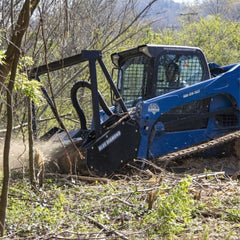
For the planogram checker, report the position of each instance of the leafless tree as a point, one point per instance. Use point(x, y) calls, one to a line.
point(70, 26)
point(10, 67)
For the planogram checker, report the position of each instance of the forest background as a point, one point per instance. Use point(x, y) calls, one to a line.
point(52, 30)
point(60, 29)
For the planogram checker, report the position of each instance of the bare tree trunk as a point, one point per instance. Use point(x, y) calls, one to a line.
point(30, 142)
point(74, 166)
point(11, 61)
point(16, 39)
point(6, 171)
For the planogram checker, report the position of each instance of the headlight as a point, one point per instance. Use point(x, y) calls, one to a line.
point(144, 49)
point(115, 58)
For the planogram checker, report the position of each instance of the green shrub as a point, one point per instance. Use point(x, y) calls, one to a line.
point(173, 212)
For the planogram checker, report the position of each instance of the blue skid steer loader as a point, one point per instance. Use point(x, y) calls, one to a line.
point(167, 100)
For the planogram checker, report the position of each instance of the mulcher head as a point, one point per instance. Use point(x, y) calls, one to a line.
point(116, 146)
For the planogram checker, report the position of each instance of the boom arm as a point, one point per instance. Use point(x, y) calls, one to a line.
point(63, 63)
point(86, 55)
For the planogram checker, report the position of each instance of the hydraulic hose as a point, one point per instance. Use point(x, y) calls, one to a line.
point(76, 105)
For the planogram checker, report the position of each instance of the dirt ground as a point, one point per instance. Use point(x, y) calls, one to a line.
point(230, 165)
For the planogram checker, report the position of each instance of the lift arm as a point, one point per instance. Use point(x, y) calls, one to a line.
point(86, 55)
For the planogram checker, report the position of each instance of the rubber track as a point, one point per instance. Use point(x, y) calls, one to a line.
point(198, 148)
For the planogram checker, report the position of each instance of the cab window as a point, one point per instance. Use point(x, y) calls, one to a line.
point(133, 79)
point(177, 71)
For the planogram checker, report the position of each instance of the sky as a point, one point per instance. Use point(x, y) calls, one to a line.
point(184, 1)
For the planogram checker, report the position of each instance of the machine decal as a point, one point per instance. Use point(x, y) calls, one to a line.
point(109, 141)
point(153, 108)
point(191, 93)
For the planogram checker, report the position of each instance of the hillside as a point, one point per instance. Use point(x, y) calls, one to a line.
point(166, 11)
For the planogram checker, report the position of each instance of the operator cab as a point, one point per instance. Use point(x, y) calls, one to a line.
point(152, 70)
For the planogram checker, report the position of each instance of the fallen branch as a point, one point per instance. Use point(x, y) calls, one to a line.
point(81, 178)
point(105, 228)
point(205, 175)
point(124, 202)
point(89, 179)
